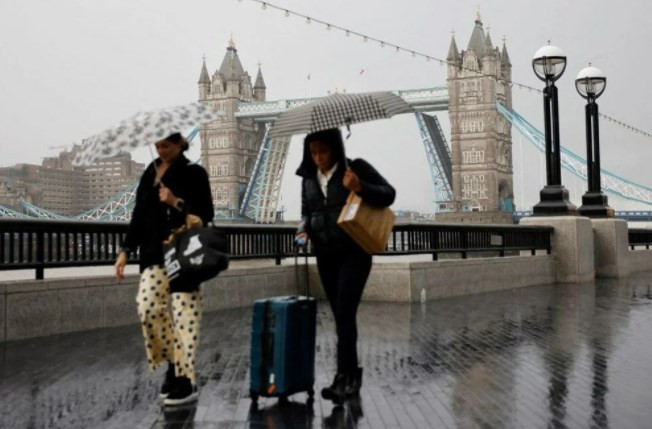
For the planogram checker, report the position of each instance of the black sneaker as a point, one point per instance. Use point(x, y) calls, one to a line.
point(168, 382)
point(184, 392)
point(336, 391)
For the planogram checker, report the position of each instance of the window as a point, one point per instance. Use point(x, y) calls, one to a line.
point(221, 195)
point(223, 169)
point(474, 186)
point(215, 142)
point(473, 156)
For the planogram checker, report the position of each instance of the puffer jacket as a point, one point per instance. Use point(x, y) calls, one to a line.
point(319, 214)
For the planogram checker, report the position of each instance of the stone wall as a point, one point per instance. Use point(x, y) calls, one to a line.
point(485, 217)
point(406, 282)
point(32, 308)
point(639, 261)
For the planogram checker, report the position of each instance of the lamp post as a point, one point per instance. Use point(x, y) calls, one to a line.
point(549, 64)
point(590, 84)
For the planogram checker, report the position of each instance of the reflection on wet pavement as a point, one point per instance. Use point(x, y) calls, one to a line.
point(561, 356)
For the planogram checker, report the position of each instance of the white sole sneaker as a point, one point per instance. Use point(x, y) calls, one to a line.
point(181, 401)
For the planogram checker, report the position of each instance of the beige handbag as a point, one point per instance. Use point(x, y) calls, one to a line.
point(367, 225)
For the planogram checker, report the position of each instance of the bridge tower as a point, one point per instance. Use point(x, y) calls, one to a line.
point(481, 139)
point(229, 144)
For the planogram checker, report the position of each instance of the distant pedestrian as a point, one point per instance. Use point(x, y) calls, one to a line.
point(343, 265)
point(169, 189)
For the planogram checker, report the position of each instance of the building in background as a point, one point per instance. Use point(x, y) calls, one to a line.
point(230, 145)
point(57, 186)
point(481, 138)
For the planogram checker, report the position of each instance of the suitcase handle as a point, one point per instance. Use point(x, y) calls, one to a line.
point(296, 268)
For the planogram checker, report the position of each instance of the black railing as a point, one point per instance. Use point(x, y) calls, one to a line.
point(460, 238)
point(640, 238)
point(40, 244)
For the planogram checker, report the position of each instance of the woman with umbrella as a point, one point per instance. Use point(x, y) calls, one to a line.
point(343, 265)
point(170, 188)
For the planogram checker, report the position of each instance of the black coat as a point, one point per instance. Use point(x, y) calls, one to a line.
point(152, 220)
point(319, 214)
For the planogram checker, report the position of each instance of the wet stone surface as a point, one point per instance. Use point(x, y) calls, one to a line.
point(562, 356)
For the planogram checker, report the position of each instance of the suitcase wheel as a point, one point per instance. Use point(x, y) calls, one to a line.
point(254, 396)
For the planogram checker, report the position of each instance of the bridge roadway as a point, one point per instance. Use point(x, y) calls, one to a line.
point(553, 356)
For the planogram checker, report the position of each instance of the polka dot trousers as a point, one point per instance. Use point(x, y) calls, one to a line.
point(171, 334)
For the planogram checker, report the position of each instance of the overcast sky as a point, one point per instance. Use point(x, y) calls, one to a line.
point(69, 69)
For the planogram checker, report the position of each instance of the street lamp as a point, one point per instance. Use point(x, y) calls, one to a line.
point(549, 64)
point(590, 84)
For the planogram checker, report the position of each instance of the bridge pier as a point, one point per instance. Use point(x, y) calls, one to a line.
point(572, 246)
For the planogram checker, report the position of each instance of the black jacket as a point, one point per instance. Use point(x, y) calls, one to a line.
point(152, 220)
point(319, 214)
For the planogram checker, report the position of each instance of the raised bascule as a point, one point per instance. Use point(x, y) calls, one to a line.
point(472, 177)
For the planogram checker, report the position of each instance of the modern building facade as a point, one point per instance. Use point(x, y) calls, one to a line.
point(57, 186)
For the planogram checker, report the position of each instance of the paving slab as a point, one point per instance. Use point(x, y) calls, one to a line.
point(548, 356)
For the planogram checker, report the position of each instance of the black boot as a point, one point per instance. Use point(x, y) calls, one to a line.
point(353, 382)
point(336, 391)
point(168, 381)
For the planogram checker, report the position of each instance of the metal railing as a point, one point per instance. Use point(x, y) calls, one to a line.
point(439, 238)
point(640, 238)
point(41, 244)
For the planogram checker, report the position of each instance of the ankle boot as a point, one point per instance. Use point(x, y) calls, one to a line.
point(353, 382)
point(336, 391)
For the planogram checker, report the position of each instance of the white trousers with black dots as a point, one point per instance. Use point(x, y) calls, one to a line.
point(174, 336)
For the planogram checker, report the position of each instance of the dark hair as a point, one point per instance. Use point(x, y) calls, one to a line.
point(331, 137)
point(177, 138)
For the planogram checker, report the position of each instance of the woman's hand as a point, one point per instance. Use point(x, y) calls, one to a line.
point(120, 265)
point(301, 239)
point(166, 196)
point(351, 181)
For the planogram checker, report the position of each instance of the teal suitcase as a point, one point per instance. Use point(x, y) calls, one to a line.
point(282, 360)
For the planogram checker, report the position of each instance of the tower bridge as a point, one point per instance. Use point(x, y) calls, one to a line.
point(472, 175)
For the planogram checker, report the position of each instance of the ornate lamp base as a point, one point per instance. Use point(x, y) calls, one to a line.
point(594, 204)
point(554, 202)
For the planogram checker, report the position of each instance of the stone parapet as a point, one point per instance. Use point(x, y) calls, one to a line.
point(639, 261)
point(414, 281)
point(32, 308)
point(486, 217)
point(611, 251)
point(572, 246)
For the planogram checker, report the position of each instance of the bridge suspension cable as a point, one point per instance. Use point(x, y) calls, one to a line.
point(575, 164)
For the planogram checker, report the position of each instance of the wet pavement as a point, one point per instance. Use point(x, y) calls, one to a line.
point(560, 356)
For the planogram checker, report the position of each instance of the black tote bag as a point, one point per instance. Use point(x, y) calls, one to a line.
point(194, 256)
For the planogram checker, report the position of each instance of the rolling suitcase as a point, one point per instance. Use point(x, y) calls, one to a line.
point(283, 344)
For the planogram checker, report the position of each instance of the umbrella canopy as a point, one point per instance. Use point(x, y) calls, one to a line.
point(338, 110)
point(144, 128)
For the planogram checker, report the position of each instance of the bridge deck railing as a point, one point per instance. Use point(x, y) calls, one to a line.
point(41, 244)
point(639, 237)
